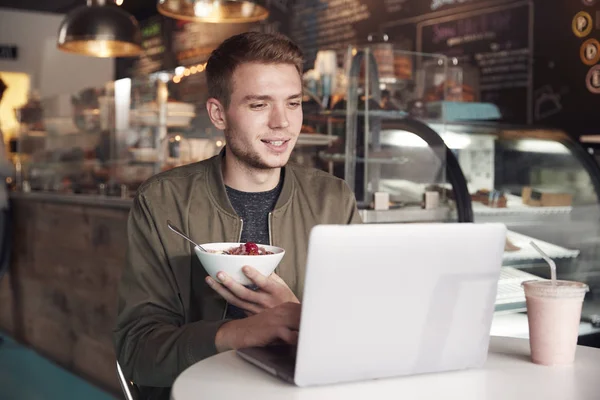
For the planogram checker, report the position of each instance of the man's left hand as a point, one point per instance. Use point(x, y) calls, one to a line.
point(271, 291)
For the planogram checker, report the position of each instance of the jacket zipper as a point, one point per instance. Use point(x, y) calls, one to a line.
point(241, 229)
point(270, 220)
point(270, 229)
point(239, 239)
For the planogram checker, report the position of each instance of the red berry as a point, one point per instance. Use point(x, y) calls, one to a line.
point(251, 248)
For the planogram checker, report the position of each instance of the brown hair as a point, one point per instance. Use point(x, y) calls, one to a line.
point(244, 48)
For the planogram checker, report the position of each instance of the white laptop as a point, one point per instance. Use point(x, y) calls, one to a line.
point(385, 300)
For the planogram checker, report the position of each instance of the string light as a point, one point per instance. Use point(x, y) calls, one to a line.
point(181, 71)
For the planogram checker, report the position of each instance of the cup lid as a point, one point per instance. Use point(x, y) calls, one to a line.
point(561, 289)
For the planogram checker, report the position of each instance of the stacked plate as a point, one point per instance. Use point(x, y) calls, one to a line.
point(178, 114)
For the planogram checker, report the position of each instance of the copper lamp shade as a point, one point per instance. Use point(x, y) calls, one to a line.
point(213, 11)
point(100, 31)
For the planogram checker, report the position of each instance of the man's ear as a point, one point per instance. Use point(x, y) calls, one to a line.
point(216, 113)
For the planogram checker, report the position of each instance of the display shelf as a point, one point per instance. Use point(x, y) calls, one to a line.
point(515, 206)
point(386, 114)
point(405, 214)
point(315, 139)
point(528, 253)
point(149, 118)
point(374, 158)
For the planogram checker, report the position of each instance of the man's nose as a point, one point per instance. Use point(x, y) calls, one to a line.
point(279, 118)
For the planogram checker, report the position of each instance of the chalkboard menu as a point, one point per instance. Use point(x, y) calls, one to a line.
point(497, 41)
point(398, 9)
point(328, 25)
point(155, 45)
point(335, 24)
point(538, 62)
point(193, 42)
point(567, 66)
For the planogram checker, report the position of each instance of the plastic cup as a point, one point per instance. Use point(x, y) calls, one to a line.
point(554, 313)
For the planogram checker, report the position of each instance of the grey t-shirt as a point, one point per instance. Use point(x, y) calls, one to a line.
point(253, 209)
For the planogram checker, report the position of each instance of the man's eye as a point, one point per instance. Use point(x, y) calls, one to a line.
point(295, 104)
point(257, 106)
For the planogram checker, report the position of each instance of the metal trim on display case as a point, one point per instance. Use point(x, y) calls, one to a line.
point(587, 162)
point(454, 174)
point(515, 131)
point(404, 215)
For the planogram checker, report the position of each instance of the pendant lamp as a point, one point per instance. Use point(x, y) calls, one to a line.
point(100, 30)
point(213, 11)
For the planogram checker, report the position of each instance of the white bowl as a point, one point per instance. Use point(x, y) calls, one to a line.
point(232, 264)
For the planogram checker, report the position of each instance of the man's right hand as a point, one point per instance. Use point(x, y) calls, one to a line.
point(280, 323)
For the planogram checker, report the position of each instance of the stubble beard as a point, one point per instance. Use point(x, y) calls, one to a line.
point(245, 155)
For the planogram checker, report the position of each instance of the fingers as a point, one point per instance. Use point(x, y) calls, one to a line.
point(288, 336)
point(279, 324)
point(272, 285)
point(289, 315)
point(240, 290)
point(232, 299)
point(263, 282)
point(277, 279)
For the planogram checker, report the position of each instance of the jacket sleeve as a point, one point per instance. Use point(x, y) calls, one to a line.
point(152, 341)
point(353, 217)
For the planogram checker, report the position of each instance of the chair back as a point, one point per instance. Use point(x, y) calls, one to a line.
point(129, 389)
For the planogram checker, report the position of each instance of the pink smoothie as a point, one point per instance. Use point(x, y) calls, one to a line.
point(554, 312)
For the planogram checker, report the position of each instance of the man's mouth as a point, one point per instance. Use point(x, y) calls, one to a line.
point(275, 142)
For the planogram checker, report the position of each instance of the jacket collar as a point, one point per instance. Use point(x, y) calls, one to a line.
point(216, 186)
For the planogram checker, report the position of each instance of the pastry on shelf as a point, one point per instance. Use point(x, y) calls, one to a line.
point(490, 198)
point(403, 66)
point(453, 91)
point(307, 129)
point(545, 198)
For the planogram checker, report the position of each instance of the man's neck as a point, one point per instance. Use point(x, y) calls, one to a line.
point(240, 177)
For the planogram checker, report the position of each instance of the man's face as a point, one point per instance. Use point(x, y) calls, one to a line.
point(264, 117)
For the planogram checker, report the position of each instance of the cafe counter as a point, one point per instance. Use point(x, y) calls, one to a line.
point(60, 295)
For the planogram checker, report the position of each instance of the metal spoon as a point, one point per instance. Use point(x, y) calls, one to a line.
point(177, 231)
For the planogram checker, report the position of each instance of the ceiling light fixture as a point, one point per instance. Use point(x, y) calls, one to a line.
point(213, 11)
point(100, 30)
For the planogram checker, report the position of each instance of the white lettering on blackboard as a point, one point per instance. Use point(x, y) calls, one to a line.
point(435, 4)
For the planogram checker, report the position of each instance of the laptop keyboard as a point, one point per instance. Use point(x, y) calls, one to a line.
point(282, 352)
point(509, 285)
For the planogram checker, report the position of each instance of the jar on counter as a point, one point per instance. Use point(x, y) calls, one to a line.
point(175, 149)
point(450, 80)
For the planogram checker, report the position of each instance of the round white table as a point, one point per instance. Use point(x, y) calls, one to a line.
point(508, 374)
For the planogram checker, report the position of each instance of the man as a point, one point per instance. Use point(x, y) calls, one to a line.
point(171, 314)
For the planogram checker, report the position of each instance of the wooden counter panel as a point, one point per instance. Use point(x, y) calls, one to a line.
point(60, 296)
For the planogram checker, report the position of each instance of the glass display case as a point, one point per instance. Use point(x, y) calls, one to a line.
point(540, 183)
point(397, 166)
point(545, 187)
point(108, 140)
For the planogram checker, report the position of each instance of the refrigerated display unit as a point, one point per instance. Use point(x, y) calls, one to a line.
point(544, 186)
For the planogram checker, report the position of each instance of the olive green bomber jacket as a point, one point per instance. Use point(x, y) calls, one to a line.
point(167, 316)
